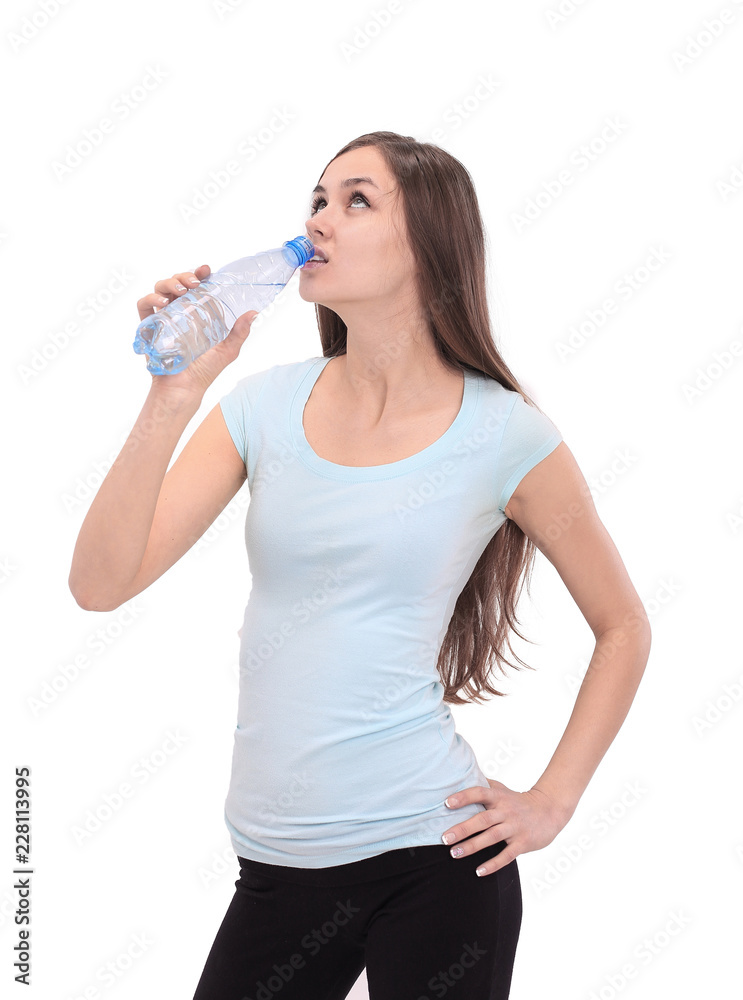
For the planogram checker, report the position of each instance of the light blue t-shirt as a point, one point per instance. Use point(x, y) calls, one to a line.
point(343, 747)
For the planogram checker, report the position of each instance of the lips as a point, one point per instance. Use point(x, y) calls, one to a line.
point(319, 259)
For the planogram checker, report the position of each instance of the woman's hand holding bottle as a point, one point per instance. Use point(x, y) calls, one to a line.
point(202, 371)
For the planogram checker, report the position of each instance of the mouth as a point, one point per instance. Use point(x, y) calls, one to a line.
point(318, 260)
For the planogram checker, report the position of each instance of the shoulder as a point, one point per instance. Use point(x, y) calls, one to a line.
point(285, 375)
point(523, 425)
point(522, 435)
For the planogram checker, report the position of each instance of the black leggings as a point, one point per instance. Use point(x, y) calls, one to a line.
point(421, 923)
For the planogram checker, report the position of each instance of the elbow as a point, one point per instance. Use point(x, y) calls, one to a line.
point(634, 625)
point(88, 602)
point(96, 605)
point(644, 631)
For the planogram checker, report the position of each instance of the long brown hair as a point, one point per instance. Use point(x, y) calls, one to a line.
point(447, 239)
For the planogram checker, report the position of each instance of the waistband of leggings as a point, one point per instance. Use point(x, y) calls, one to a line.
point(396, 862)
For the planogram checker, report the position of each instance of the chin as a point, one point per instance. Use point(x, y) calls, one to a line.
point(306, 294)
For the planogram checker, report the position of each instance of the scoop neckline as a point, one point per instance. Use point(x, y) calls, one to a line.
point(365, 473)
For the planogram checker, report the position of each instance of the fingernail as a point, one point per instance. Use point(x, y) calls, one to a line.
point(179, 287)
point(447, 838)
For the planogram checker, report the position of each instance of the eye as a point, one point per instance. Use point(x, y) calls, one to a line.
point(352, 198)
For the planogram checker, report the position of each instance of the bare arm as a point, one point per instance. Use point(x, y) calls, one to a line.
point(144, 517)
point(141, 520)
point(555, 492)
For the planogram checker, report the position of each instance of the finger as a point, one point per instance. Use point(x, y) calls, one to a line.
point(482, 820)
point(474, 842)
point(476, 793)
point(177, 285)
point(481, 831)
point(170, 288)
point(506, 856)
point(146, 306)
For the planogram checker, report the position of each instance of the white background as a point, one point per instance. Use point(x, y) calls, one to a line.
point(648, 402)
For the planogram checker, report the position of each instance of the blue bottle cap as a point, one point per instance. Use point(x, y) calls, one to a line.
point(301, 249)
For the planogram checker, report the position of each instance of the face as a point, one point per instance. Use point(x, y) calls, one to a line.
point(360, 227)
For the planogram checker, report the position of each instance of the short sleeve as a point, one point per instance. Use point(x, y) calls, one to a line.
point(237, 408)
point(529, 436)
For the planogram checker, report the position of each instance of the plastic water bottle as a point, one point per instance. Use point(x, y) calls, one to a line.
point(192, 323)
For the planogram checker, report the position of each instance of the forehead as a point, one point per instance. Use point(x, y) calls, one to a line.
point(363, 162)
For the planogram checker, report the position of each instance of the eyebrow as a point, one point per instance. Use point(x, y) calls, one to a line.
point(348, 182)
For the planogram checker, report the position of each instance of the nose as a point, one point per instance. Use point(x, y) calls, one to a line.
point(314, 228)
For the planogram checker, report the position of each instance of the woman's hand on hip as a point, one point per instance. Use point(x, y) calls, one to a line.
point(527, 821)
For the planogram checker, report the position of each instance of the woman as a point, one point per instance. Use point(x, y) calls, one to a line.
point(400, 485)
